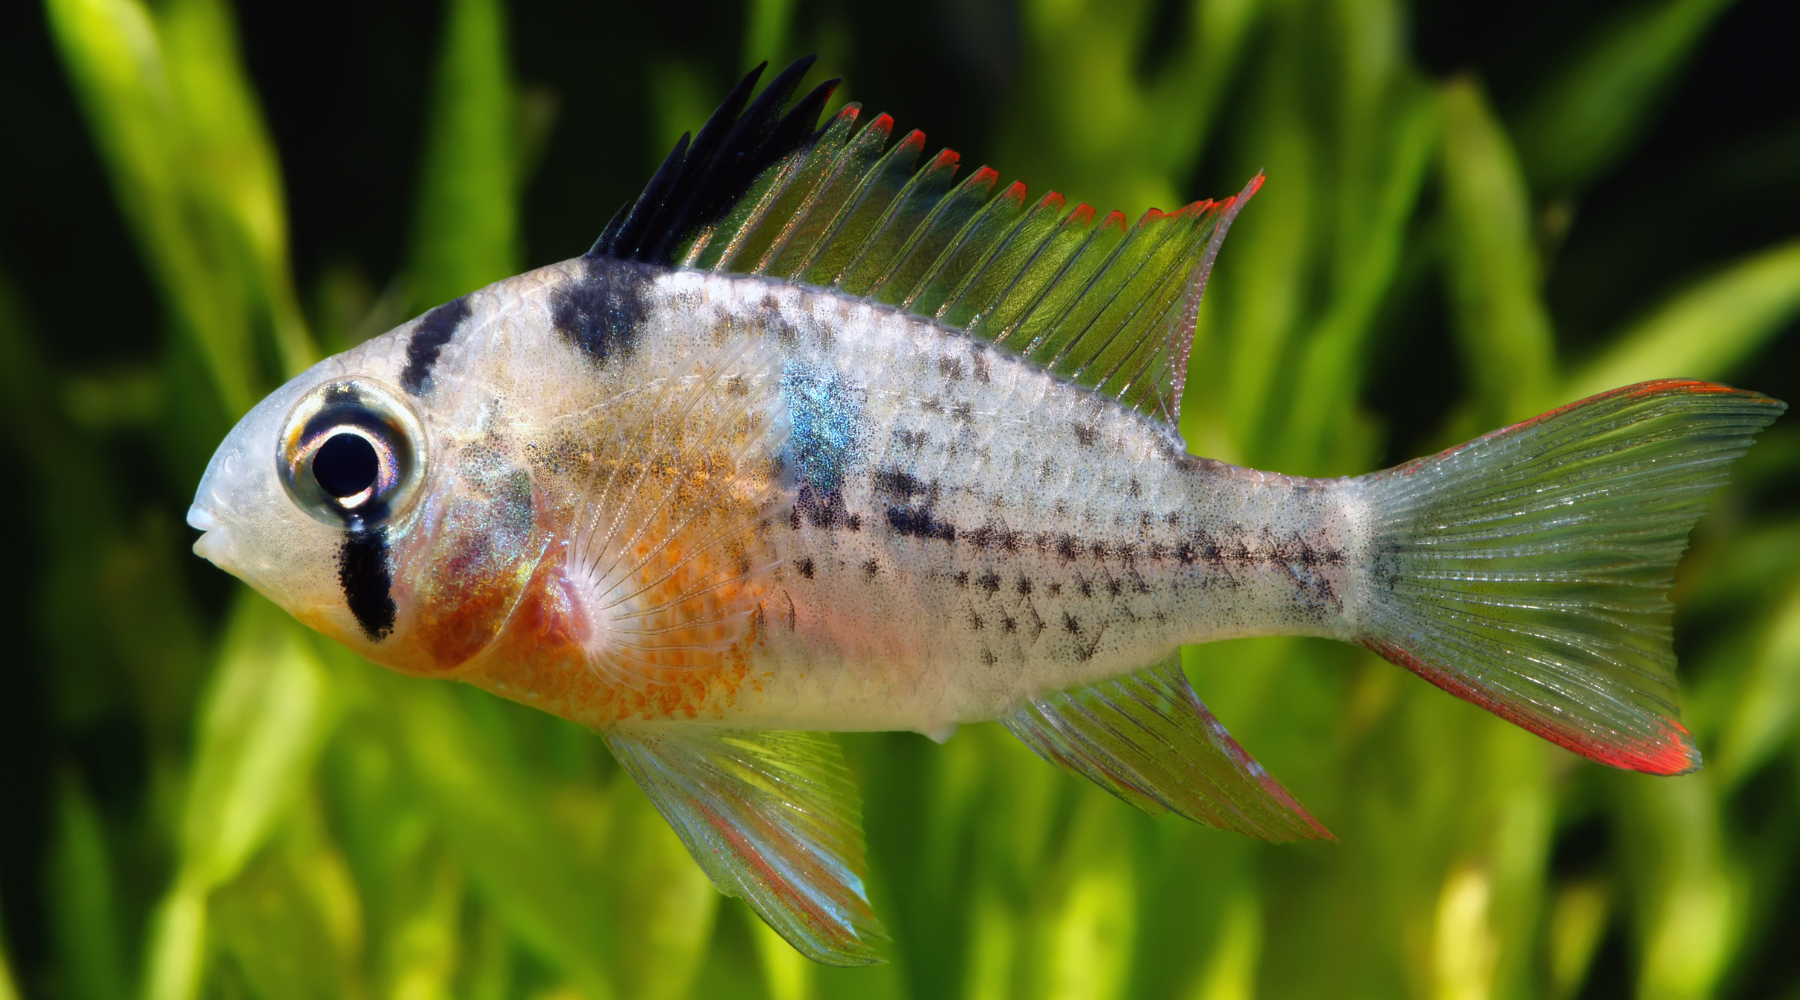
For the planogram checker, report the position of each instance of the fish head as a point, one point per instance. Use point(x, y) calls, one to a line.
point(335, 499)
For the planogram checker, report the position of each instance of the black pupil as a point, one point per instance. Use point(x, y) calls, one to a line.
point(345, 465)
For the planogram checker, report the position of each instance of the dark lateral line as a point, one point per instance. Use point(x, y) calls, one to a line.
point(367, 582)
point(428, 340)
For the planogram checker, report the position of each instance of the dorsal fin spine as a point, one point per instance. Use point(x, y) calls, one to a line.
point(1062, 289)
point(901, 222)
point(969, 250)
point(865, 207)
point(1024, 239)
point(1064, 240)
point(934, 238)
point(711, 175)
point(637, 219)
point(779, 211)
point(794, 252)
point(786, 205)
point(1154, 227)
point(1163, 229)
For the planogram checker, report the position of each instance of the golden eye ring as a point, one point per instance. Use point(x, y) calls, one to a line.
point(352, 453)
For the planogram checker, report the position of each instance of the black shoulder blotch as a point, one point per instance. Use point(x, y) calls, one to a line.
point(601, 308)
point(701, 180)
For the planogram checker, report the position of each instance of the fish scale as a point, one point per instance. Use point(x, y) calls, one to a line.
point(815, 438)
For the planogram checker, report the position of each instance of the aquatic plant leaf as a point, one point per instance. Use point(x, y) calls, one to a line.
point(466, 229)
point(483, 798)
point(1146, 738)
point(1528, 571)
point(82, 897)
point(1500, 318)
point(1583, 117)
point(1705, 330)
point(170, 106)
point(773, 818)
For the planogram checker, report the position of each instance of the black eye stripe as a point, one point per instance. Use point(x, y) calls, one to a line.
point(367, 581)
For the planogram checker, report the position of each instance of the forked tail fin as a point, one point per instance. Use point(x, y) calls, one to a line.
point(1528, 571)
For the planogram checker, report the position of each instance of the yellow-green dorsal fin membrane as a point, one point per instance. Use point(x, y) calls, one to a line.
point(1146, 738)
point(773, 818)
point(1100, 301)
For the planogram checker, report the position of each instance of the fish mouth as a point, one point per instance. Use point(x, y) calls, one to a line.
point(212, 543)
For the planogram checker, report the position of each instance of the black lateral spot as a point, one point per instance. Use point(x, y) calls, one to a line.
point(1186, 552)
point(917, 522)
point(900, 486)
point(932, 405)
point(806, 567)
point(1113, 587)
point(976, 622)
point(950, 366)
point(821, 509)
point(601, 309)
point(1068, 548)
point(436, 329)
point(1133, 489)
point(984, 366)
point(853, 522)
point(964, 412)
point(1071, 624)
point(988, 658)
point(1086, 435)
point(1087, 588)
point(962, 579)
point(1056, 590)
point(367, 582)
point(871, 567)
point(1009, 624)
point(990, 582)
point(1024, 587)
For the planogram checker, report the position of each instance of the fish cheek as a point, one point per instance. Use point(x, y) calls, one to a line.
point(482, 549)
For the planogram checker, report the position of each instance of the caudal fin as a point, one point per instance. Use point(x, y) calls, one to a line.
point(1528, 571)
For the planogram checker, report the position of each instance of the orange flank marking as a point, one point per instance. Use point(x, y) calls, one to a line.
point(465, 611)
point(659, 622)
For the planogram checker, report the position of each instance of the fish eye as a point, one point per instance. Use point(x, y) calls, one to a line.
point(352, 453)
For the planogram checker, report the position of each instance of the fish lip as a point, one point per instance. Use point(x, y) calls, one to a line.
point(214, 540)
point(202, 519)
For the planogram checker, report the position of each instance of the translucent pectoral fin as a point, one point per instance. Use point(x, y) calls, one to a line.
point(1146, 738)
point(773, 818)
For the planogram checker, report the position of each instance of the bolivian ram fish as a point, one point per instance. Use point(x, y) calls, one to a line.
point(817, 437)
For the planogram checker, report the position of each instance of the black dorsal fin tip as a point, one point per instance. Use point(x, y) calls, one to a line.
point(629, 234)
point(718, 177)
point(711, 169)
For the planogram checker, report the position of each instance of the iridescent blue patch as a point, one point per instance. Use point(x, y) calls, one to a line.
point(825, 412)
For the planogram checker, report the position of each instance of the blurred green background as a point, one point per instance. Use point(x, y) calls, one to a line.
point(1474, 211)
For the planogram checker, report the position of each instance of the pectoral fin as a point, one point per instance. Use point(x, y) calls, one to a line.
point(773, 818)
point(1146, 738)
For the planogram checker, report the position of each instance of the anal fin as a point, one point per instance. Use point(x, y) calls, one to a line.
point(1146, 738)
point(773, 818)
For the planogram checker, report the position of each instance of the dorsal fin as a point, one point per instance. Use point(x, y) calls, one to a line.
point(1106, 304)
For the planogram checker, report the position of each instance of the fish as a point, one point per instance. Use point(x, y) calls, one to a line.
point(817, 437)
